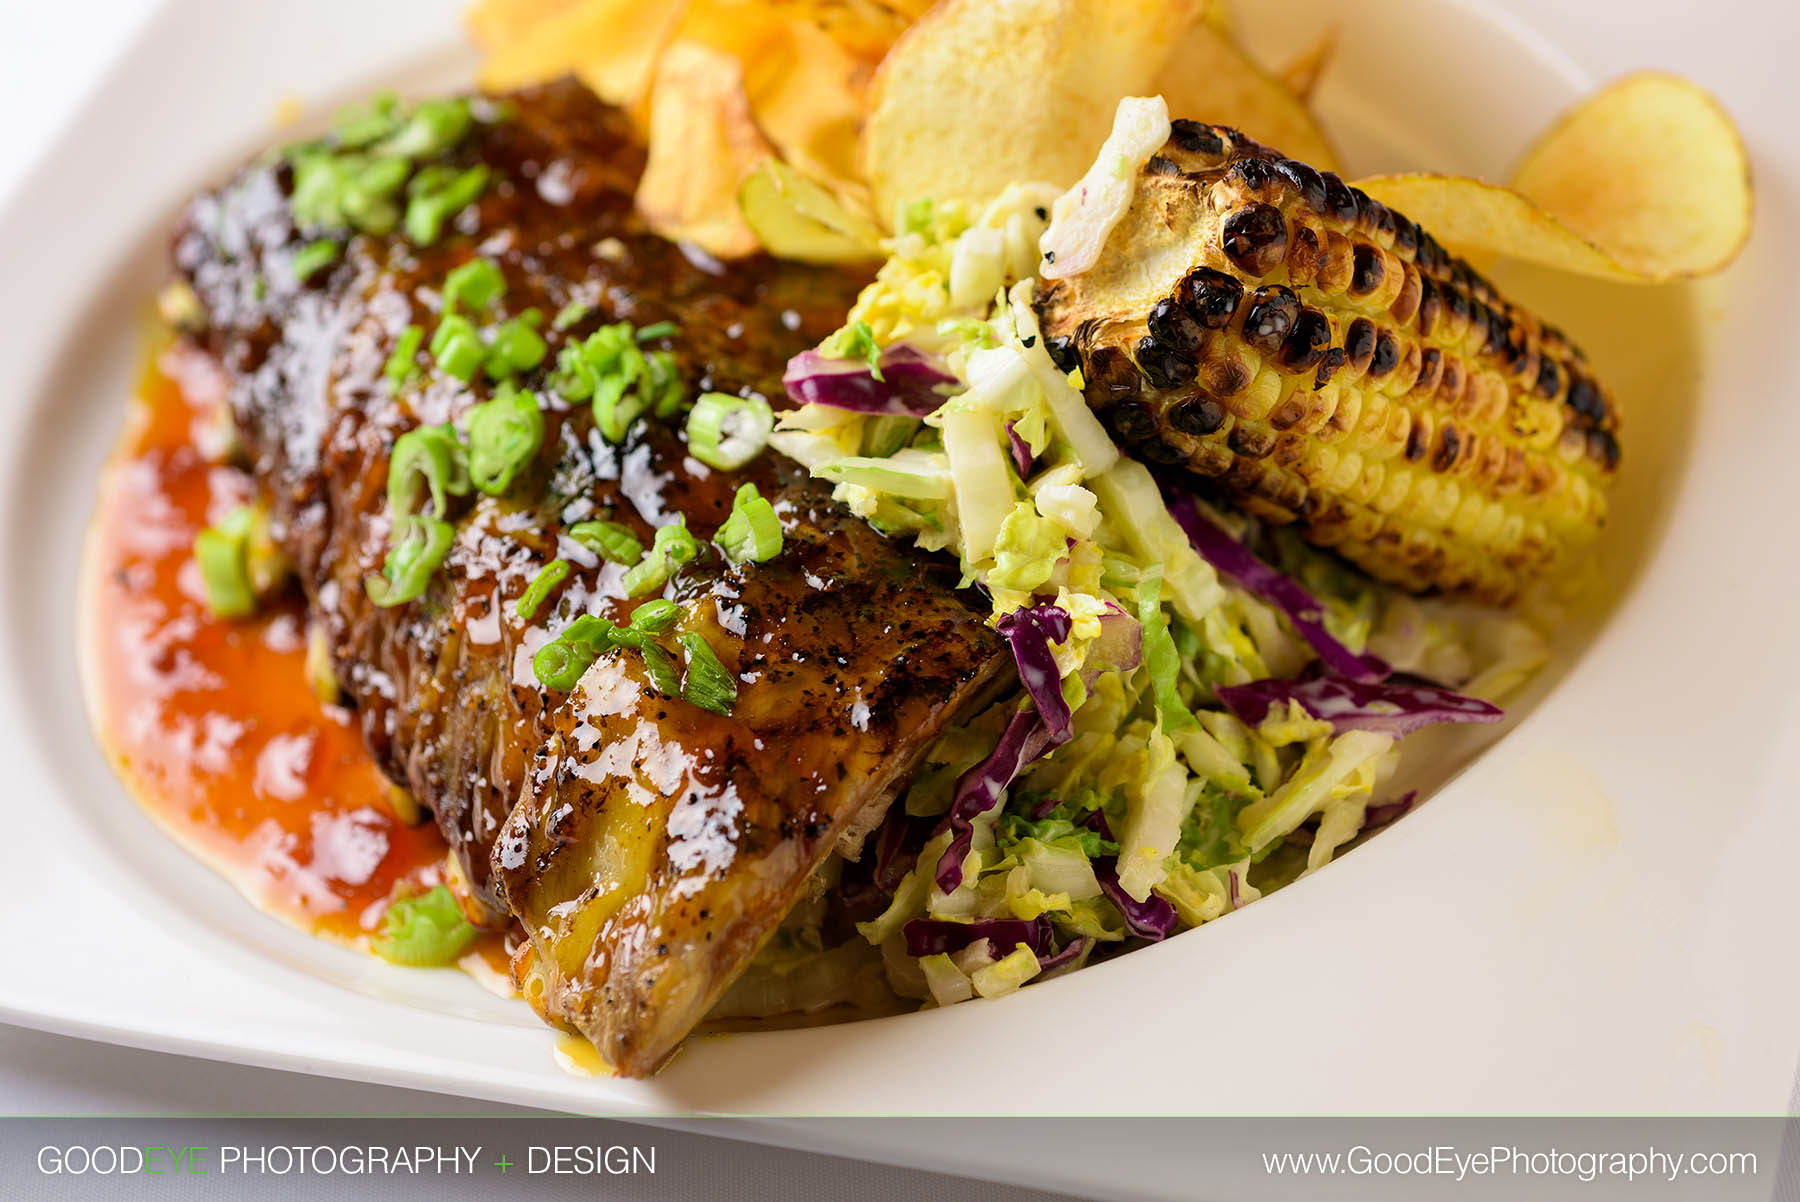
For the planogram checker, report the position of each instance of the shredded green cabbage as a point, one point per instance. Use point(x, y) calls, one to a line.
point(1157, 783)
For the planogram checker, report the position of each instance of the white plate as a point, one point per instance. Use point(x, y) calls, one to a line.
point(1594, 917)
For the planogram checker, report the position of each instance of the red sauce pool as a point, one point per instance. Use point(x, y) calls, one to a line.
point(211, 723)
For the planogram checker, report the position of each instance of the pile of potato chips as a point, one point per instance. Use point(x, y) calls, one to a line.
point(801, 126)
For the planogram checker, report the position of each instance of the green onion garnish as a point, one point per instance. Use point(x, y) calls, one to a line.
point(608, 367)
point(504, 436)
point(405, 360)
point(457, 347)
point(516, 347)
point(222, 553)
point(434, 127)
point(709, 685)
point(657, 329)
point(664, 387)
point(417, 546)
point(752, 532)
point(609, 540)
point(657, 664)
point(430, 458)
point(436, 195)
point(367, 196)
point(475, 285)
point(570, 314)
point(547, 581)
point(558, 665)
point(313, 257)
point(425, 930)
point(657, 616)
point(726, 432)
point(589, 629)
point(357, 125)
point(673, 546)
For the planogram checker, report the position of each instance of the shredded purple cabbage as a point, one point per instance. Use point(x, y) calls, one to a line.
point(1026, 738)
point(1033, 732)
point(1152, 918)
point(1032, 631)
point(1394, 709)
point(896, 847)
point(1231, 880)
point(1050, 966)
point(909, 386)
point(1302, 609)
point(1021, 452)
point(935, 936)
point(1387, 811)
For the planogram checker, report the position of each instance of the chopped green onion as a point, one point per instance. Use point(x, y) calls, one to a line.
point(318, 197)
point(621, 379)
point(752, 532)
point(559, 665)
point(428, 458)
point(657, 329)
point(426, 930)
point(222, 553)
point(1160, 655)
point(405, 360)
point(570, 314)
point(709, 685)
point(665, 389)
point(547, 581)
point(417, 546)
point(516, 347)
point(657, 664)
point(367, 197)
point(433, 127)
point(609, 540)
point(657, 616)
point(590, 629)
point(474, 285)
point(436, 195)
point(504, 436)
point(673, 546)
point(726, 432)
point(357, 125)
point(313, 257)
point(457, 347)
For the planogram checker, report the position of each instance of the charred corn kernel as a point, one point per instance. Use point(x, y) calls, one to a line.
point(1326, 363)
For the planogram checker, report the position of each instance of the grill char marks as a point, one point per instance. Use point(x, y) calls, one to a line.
point(1321, 360)
point(443, 686)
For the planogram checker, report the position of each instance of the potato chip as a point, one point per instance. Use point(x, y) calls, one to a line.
point(797, 218)
point(612, 45)
point(983, 93)
point(811, 108)
point(1472, 217)
point(702, 141)
point(1206, 78)
point(1651, 169)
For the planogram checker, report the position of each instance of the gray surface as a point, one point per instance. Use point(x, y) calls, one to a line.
point(52, 1075)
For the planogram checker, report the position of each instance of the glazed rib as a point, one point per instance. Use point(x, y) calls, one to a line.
point(851, 652)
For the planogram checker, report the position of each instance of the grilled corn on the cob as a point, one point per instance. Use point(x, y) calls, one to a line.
point(1327, 363)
